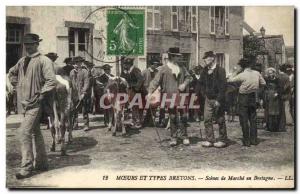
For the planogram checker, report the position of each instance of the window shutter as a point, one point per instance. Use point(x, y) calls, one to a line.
point(98, 53)
point(62, 43)
point(226, 20)
point(156, 18)
point(212, 19)
point(150, 17)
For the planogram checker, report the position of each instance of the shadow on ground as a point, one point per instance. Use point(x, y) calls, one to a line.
point(80, 144)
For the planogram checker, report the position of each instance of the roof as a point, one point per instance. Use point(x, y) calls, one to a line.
point(248, 28)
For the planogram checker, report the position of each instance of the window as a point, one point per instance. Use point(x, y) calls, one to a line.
point(220, 59)
point(14, 48)
point(153, 18)
point(187, 18)
point(194, 19)
point(174, 18)
point(212, 19)
point(78, 41)
point(185, 60)
point(219, 20)
point(13, 35)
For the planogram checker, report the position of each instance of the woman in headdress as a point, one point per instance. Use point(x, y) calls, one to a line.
point(272, 100)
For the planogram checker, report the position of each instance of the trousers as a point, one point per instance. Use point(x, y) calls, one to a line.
point(210, 113)
point(247, 115)
point(32, 142)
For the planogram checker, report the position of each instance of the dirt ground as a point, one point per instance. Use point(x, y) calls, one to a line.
point(97, 149)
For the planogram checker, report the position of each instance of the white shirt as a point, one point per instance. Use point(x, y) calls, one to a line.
point(250, 81)
point(175, 69)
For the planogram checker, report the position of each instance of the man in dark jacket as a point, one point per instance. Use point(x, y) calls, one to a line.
point(148, 75)
point(195, 88)
point(36, 80)
point(213, 83)
point(79, 77)
point(134, 78)
point(285, 89)
point(103, 80)
point(173, 80)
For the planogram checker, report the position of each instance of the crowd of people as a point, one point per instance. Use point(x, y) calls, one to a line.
point(239, 93)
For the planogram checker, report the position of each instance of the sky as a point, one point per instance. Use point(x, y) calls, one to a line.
point(275, 19)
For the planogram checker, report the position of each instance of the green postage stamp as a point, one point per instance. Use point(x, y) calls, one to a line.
point(125, 32)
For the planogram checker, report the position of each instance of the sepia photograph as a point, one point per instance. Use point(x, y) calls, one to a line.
point(149, 97)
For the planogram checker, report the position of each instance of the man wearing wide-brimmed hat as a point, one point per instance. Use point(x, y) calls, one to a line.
point(52, 56)
point(173, 80)
point(36, 80)
point(213, 84)
point(194, 87)
point(250, 82)
point(149, 75)
point(81, 87)
point(91, 98)
point(135, 81)
point(103, 81)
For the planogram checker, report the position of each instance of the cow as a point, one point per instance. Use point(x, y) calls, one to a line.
point(62, 118)
point(231, 97)
point(116, 91)
point(11, 97)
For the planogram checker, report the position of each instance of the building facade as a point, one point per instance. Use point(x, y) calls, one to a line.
point(71, 31)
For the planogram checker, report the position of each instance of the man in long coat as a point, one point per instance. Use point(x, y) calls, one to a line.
point(36, 80)
point(173, 80)
point(80, 81)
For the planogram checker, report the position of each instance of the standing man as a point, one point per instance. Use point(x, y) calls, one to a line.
point(173, 80)
point(213, 81)
point(148, 75)
point(80, 84)
point(103, 79)
point(250, 81)
point(135, 80)
point(91, 98)
point(36, 80)
point(69, 66)
point(196, 114)
point(290, 73)
point(285, 89)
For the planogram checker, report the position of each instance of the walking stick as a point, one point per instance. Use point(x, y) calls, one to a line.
point(153, 120)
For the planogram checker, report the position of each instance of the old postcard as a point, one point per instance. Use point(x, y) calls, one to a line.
point(150, 97)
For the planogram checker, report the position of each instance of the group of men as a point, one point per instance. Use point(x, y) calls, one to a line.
point(36, 75)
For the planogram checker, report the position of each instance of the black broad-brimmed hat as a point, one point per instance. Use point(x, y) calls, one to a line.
point(128, 61)
point(88, 63)
point(52, 55)
point(106, 66)
point(78, 59)
point(68, 60)
point(208, 54)
point(174, 51)
point(31, 38)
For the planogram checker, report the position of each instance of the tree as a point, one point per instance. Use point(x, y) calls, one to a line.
point(252, 46)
